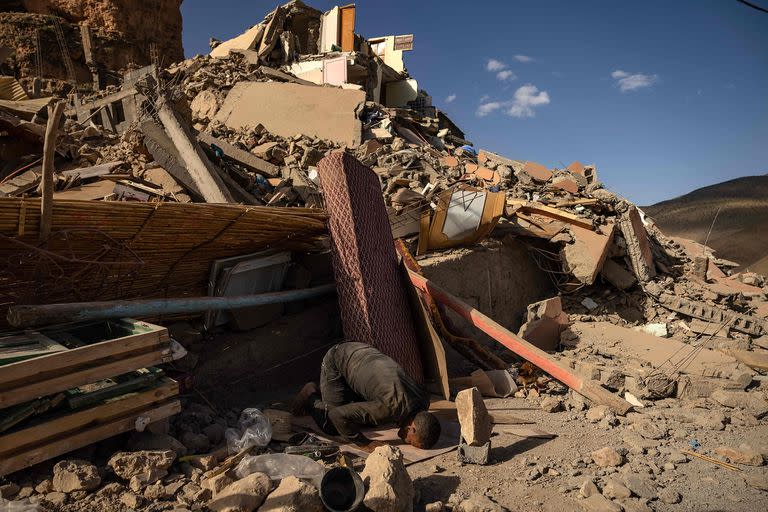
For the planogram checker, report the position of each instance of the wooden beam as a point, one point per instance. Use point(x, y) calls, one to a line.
point(548, 211)
point(200, 169)
point(64, 362)
point(67, 424)
point(46, 186)
point(23, 393)
point(240, 156)
point(85, 437)
point(519, 346)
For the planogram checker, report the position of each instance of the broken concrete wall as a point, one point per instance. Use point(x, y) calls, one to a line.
point(499, 279)
point(289, 109)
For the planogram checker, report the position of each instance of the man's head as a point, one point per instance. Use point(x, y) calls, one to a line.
point(421, 431)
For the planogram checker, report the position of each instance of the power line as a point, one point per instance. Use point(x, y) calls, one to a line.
point(749, 4)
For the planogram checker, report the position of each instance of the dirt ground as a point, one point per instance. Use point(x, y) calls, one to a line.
point(512, 479)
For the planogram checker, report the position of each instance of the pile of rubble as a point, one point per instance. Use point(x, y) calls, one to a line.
point(638, 320)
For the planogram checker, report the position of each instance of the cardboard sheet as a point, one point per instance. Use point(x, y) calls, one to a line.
point(448, 441)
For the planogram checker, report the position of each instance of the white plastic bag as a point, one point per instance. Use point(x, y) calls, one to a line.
point(17, 506)
point(254, 429)
point(280, 465)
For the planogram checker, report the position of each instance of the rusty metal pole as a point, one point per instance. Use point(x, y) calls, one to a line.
point(519, 346)
point(46, 185)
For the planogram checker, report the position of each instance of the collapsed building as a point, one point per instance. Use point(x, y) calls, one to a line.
point(220, 199)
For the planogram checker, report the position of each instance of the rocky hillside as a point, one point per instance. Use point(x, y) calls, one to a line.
point(740, 232)
point(122, 31)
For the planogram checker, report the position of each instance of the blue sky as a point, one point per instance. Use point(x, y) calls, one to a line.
point(664, 96)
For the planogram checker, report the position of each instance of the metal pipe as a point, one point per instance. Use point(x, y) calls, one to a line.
point(519, 346)
point(34, 315)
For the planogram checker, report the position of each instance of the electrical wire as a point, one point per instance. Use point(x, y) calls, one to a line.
point(756, 7)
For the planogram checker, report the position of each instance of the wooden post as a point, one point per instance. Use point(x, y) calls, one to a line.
point(588, 388)
point(49, 148)
point(43, 314)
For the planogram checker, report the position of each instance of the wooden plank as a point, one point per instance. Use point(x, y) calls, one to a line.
point(156, 337)
point(87, 192)
point(65, 425)
point(85, 437)
point(27, 346)
point(548, 211)
point(24, 393)
point(95, 171)
point(276, 74)
point(240, 156)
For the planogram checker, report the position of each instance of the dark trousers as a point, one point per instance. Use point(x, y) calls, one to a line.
point(338, 410)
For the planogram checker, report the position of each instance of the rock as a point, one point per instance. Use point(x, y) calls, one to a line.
point(607, 457)
point(389, 487)
point(635, 505)
point(293, 495)
point(712, 420)
point(597, 413)
point(44, 487)
point(192, 493)
point(195, 443)
point(640, 486)
point(588, 488)
point(478, 503)
point(744, 454)
point(551, 404)
point(9, 491)
point(75, 475)
point(55, 498)
point(202, 462)
point(473, 417)
point(436, 506)
point(669, 496)
point(758, 481)
point(217, 482)
point(172, 488)
point(204, 105)
point(615, 490)
point(215, 433)
point(131, 500)
point(149, 441)
point(244, 495)
point(740, 399)
point(659, 386)
point(25, 492)
point(599, 503)
point(156, 492)
point(144, 467)
point(110, 490)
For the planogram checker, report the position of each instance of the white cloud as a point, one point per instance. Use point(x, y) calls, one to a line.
point(505, 75)
point(484, 98)
point(523, 58)
point(486, 108)
point(522, 105)
point(526, 98)
point(632, 82)
point(495, 65)
point(450, 98)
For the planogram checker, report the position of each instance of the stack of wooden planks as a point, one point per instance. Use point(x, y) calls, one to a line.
point(68, 387)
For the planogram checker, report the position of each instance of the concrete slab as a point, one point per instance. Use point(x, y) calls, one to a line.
point(286, 109)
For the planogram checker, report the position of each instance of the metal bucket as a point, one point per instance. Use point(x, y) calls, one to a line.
point(342, 490)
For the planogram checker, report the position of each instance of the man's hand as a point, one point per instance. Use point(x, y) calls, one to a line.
point(301, 404)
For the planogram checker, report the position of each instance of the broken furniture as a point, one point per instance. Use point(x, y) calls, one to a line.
point(65, 387)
